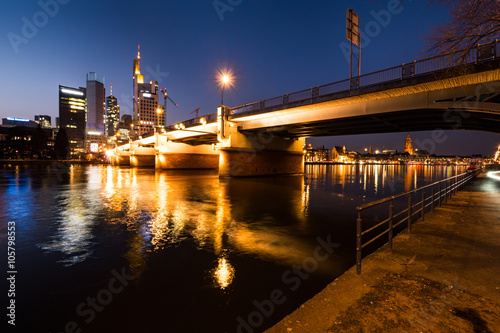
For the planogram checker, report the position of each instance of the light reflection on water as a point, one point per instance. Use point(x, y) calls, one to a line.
point(163, 211)
point(199, 224)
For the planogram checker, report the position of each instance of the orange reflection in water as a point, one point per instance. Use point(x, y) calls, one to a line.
point(164, 208)
point(224, 273)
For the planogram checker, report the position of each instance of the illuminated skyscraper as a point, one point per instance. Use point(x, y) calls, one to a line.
point(112, 114)
point(72, 115)
point(145, 100)
point(96, 105)
point(409, 145)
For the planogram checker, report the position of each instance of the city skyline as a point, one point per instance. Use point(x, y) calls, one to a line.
point(185, 51)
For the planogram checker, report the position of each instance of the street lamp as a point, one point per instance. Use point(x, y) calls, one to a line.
point(225, 79)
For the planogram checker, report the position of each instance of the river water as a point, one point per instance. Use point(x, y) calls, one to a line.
point(109, 249)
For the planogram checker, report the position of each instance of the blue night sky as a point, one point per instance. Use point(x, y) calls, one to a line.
point(274, 47)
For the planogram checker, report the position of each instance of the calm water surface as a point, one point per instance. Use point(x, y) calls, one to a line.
point(108, 249)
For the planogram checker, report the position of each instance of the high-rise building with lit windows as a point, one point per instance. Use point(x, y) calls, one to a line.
point(145, 101)
point(96, 103)
point(112, 114)
point(73, 115)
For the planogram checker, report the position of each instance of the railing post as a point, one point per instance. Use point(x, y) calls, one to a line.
point(440, 194)
point(433, 198)
point(358, 244)
point(446, 191)
point(391, 222)
point(423, 204)
point(410, 213)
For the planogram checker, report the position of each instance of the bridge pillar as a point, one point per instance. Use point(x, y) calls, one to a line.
point(174, 155)
point(142, 160)
point(142, 156)
point(121, 160)
point(258, 153)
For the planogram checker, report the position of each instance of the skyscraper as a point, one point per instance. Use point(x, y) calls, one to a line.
point(72, 115)
point(112, 114)
point(145, 100)
point(96, 105)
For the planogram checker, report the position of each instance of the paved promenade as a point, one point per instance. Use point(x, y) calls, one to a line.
point(443, 277)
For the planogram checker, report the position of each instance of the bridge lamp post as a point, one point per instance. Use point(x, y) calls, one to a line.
point(225, 79)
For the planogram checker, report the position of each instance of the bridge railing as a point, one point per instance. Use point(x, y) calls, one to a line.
point(480, 53)
point(403, 210)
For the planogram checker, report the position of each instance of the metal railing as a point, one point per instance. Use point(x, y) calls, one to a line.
point(414, 205)
point(480, 53)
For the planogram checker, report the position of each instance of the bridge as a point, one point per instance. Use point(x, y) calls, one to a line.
point(267, 137)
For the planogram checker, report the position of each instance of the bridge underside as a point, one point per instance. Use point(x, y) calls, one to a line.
point(402, 121)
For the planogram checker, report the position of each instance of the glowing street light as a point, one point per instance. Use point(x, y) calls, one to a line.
point(225, 79)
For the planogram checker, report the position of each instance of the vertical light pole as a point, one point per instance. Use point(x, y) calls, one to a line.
point(224, 80)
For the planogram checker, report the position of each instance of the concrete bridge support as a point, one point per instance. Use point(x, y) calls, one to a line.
point(120, 160)
point(173, 155)
point(142, 161)
point(258, 153)
point(141, 156)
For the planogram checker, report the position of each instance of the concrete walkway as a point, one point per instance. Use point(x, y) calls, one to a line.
point(443, 277)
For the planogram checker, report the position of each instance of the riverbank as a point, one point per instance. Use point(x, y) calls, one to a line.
point(443, 277)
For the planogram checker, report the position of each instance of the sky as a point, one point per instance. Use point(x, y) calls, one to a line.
point(273, 47)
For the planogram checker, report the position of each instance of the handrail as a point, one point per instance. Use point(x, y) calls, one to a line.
point(401, 72)
point(451, 186)
point(477, 54)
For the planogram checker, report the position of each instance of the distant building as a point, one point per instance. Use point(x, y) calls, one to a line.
point(145, 100)
point(409, 146)
point(316, 154)
point(57, 122)
point(44, 121)
point(112, 114)
point(341, 155)
point(95, 141)
point(12, 121)
point(161, 115)
point(72, 116)
point(127, 120)
point(96, 104)
point(23, 142)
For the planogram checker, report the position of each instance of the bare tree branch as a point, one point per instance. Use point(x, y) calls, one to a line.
point(472, 22)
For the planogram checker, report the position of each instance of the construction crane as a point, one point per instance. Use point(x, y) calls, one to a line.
point(165, 97)
point(198, 109)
